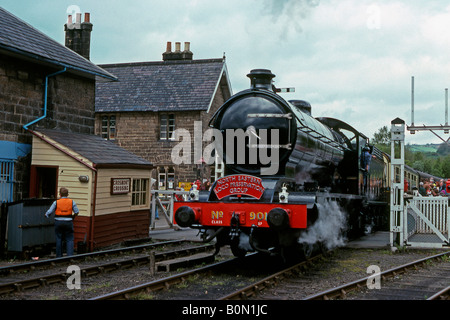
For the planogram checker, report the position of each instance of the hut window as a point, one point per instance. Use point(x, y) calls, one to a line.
point(109, 127)
point(140, 192)
point(167, 126)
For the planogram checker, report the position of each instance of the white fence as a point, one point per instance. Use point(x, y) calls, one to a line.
point(427, 222)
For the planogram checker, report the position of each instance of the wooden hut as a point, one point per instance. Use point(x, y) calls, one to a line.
point(110, 185)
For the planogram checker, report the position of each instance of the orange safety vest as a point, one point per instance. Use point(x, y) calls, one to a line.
point(63, 207)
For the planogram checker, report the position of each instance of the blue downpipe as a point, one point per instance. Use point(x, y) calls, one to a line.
point(45, 99)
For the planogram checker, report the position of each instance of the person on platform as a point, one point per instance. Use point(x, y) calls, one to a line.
point(63, 209)
point(422, 190)
point(366, 158)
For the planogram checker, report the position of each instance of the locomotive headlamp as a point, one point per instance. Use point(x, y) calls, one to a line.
point(284, 195)
point(194, 193)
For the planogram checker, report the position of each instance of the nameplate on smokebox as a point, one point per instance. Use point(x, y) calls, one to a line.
point(239, 184)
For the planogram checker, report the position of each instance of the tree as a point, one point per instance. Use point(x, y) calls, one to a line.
point(437, 163)
point(418, 165)
point(437, 168)
point(446, 167)
point(382, 136)
point(382, 139)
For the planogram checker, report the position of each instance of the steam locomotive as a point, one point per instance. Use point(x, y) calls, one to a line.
point(293, 184)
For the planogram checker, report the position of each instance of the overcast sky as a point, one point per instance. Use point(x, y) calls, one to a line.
point(351, 59)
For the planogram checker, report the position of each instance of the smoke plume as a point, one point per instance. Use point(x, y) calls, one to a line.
point(291, 12)
point(329, 227)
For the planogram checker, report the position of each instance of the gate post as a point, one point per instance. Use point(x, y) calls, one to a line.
point(397, 177)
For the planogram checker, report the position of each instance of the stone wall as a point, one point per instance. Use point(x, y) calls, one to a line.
point(138, 132)
point(70, 100)
point(22, 89)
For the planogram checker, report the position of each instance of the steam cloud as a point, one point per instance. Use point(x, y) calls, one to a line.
point(290, 12)
point(244, 242)
point(328, 228)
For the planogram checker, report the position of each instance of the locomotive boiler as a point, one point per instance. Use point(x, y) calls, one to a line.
point(282, 166)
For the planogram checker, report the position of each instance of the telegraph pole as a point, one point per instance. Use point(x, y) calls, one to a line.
point(445, 127)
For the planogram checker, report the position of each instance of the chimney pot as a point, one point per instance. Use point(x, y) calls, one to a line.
point(177, 54)
point(78, 35)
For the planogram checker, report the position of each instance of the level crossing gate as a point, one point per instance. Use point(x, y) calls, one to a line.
point(162, 200)
point(422, 222)
point(427, 222)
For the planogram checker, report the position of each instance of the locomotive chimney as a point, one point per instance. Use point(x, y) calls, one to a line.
point(261, 79)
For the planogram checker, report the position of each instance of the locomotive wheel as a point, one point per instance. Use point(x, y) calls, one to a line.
point(306, 250)
point(323, 249)
point(237, 252)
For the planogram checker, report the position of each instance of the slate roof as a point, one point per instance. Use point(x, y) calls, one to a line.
point(95, 148)
point(178, 85)
point(19, 38)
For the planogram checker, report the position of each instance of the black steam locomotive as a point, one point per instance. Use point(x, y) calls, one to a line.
point(292, 183)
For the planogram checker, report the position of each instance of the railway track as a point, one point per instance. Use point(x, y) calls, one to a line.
point(30, 266)
point(422, 286)
point(22, 280)
point(254, 289)
point(233, 279)
point(202, 283)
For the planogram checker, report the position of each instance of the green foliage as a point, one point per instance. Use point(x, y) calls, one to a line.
point(382, 136)
point(432, 159)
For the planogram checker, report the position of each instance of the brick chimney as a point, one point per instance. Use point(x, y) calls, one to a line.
point(78, 34)
point(178, 54)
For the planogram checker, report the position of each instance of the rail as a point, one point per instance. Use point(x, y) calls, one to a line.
point(342, 291)
point(61, 276)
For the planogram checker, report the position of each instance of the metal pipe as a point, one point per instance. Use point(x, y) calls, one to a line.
point(45, 99)
point(92, 217)
point(446, 106)
point(412, 101)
